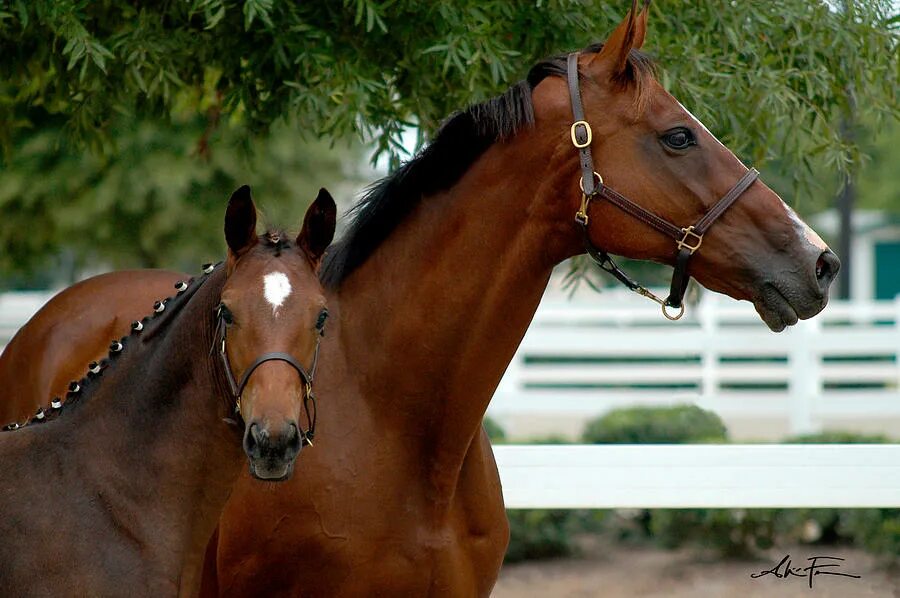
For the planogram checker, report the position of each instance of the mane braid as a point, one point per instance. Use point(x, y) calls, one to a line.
point(90, 381)
point(459, 142)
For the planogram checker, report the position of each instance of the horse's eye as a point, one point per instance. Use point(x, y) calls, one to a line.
point(320, 322)
point(679, 139)
point(225, 314)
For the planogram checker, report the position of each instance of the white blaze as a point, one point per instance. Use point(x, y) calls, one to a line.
point(811, 236)
point(276, 288)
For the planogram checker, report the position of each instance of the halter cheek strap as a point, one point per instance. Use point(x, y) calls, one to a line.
point(687, 239)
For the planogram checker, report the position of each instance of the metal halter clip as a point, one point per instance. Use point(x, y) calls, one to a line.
point(685, 243)
point(587, 129)
point(581, 216)
point(662, 302)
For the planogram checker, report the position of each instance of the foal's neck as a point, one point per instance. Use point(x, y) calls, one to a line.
point(152, 441)
point(434, 316)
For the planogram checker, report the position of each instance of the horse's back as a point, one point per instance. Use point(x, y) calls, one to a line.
point(74, 328)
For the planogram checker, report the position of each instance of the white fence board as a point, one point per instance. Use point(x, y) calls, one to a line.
point(699, 476)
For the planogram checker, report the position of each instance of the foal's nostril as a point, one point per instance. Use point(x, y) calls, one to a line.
point(292, 440)
point(254, 438)
point(827, 267)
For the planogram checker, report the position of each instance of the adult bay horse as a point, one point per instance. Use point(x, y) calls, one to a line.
point(434, 284)
point(118, 490)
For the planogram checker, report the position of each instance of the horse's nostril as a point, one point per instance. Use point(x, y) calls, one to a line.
point(827, 267)
point(253, 439)
point(293, 439)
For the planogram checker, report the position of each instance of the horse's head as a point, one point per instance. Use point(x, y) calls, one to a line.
point(651, 149)
point(273, 314)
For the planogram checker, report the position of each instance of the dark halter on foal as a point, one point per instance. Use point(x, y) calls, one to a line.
point(237, 388)
point(687, 239)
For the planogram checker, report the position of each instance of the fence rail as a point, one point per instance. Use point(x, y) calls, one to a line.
point(582, 359)
point(699, 476)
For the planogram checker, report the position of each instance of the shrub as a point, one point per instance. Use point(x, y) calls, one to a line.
point(494, 430)
point(836, 437)
point(541, 534)
point(678, 424)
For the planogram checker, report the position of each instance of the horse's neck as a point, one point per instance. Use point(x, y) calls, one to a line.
point(431, 320)
point(152, 441)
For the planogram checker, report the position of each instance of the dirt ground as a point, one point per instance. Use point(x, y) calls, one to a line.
point(622, 572)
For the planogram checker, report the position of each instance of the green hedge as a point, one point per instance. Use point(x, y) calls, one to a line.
point(679, 424)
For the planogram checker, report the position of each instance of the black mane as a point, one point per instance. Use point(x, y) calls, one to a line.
point(461, 140)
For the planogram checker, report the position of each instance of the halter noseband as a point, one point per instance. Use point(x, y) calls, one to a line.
point(237, 388)
point(687, 239)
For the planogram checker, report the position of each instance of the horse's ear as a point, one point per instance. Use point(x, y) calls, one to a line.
point(627, 36)
point(240, 221)
point(318, 227)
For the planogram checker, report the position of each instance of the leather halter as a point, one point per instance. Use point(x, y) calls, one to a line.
point(687, 239)
point(237, 388)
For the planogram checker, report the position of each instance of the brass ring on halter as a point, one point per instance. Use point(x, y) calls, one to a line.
point(599, 182)
point(676, 316)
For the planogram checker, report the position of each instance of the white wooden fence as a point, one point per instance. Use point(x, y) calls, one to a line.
point(581, 359)
point(16, 309)
point(699, 476)
point(585, 358)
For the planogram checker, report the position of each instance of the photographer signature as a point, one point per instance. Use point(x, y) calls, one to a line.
point(784, 570)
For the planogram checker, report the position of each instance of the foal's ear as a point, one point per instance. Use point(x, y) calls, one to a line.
point(627, 36)
point(240, 221)
point(318, 227)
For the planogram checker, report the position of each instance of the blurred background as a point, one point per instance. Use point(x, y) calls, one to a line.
point(124, 129)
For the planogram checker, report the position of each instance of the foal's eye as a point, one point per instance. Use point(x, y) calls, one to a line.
point(225, 314)
point(679, 139)
point(320, 322)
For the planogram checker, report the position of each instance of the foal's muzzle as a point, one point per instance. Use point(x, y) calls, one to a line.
point(272, 452)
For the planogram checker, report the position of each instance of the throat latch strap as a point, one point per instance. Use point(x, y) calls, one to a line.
point(687, 239)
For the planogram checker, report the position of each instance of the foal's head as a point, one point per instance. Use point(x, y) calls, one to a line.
point(273, 308)
point(650, 148)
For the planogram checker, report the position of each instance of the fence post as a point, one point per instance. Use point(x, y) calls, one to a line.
point(897, 336)
point(805, 384)
point(709, 323)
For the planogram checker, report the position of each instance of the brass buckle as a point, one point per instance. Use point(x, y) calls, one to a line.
point(685, 242)
point(587, 128)
point(581, 216)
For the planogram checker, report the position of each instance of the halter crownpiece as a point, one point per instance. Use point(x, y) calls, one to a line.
point(687, 239)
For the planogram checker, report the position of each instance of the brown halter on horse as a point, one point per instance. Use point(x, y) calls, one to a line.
point(687, 239)
point(307, 375)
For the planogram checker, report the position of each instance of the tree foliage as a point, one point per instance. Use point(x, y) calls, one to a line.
point(773, 77)
point(157, 201)
point(180, 101)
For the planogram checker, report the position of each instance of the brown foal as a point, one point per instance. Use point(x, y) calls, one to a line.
point(434, 284)
point(118, 490)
